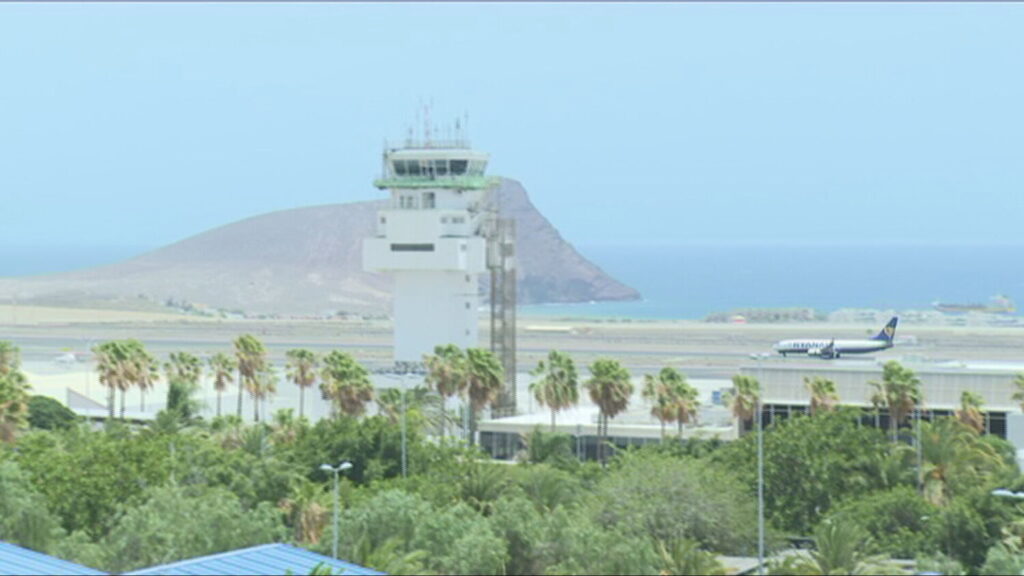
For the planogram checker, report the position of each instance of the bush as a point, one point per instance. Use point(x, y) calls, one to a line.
point(897, 520)
point(666, 498)
point(177, 522)
point(46, 413)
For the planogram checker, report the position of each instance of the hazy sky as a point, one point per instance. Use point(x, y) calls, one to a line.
point(646, 123)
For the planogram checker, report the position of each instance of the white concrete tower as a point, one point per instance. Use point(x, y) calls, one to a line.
point(432, 239)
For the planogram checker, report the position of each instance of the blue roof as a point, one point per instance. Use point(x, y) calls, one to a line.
point(269, 559)
point(18, 560)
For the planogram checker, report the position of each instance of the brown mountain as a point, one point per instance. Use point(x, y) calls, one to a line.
point(308, 261)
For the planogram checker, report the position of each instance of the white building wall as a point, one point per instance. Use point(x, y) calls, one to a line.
point(782, 383)
point(430, 241)
point(433, 308)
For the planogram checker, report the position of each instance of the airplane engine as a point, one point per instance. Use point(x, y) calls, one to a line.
point(823, 353)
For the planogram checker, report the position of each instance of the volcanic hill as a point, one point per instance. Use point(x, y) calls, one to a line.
point(307, 261)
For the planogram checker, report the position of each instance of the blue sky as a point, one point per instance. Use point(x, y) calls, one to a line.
point(138, 125)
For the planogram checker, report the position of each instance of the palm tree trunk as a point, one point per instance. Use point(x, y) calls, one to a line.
point(255, 409)
point(444, 418)
point(142, 399)
point(110, 401)
point(239, 396)
point(552, 421)
point(123, 394)
point(662, 431)
point(219, 394)
point(302, 400)
point(604, 445)
point(472, 425)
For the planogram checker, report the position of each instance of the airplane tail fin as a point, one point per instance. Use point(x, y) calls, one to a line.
point(888, 331)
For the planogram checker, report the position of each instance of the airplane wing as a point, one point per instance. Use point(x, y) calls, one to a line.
point(829, 352)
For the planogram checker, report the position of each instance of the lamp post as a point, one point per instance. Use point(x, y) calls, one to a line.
point(761, 488)
point(404, 377)
point(405, 392)
point(1004, 493)
point(760, 469)
point(339, 468)
point(920, 453)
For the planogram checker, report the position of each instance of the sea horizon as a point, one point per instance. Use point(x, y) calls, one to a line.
point(691, 281)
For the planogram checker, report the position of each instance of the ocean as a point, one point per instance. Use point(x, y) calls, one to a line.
point(33, 260)
point(693, 281)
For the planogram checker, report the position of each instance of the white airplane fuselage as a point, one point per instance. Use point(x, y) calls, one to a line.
point(816, 347)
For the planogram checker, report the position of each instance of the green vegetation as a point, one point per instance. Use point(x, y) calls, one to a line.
point(46, 413)
point(124, 496)
point(672, 398)
point(610, 388)
point(557, 385)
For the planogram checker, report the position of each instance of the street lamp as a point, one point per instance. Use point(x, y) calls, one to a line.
point(405, 377)
point(1003, 492)
point(760, 489)
point(340, 468)
point(760, 467)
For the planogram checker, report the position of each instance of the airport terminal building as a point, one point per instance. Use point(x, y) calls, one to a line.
point(784, 394)
point(942, 383)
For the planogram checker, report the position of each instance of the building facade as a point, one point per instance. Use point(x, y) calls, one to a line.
point(432, 239)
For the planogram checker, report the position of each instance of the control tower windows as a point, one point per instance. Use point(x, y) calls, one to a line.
point(408, 202)
point(458, 167)
point(406, 167)
point(428, 200)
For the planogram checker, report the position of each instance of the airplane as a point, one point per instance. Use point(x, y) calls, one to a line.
point(66, 358)
point(829, 349)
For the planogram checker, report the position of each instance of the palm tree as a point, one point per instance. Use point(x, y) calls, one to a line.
point(684, 557)
point(13, 403)
point(899, 392)
point(112, 364)
point(13, 393)
point(305, 512)
point(223, 368)
point(840, 548)
point(970, 411)
point(484, 379)
point(286, 427)
point(954, 456)
point(10, 357)
point(144, 373)
point(823, 394)
point(184, 368)
point(446, 374)
point(252, 360)
point(346, 383)
point(301, 367)
point(610, 388)
point(744, 398)
point(263, 386)
point(423, 407)
point(1018, 395)
point(558, 386)
point(686, 403)
point(661, 392)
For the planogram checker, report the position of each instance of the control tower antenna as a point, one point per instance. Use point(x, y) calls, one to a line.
point(426, 125)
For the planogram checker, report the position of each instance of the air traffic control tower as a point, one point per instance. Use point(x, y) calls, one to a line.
point(438, 234)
